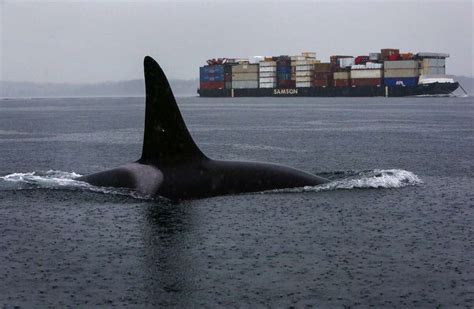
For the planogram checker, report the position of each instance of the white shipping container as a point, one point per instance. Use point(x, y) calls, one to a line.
point(244, 84)
point(309, 54)
point(267, 85)
point(256, 59)
point(341, 75)
point(433, 62)
point(346, 62)
point(401, 73)
point(303, 79)
point(267, 74)
point(245, 68)
point(401, 64)
point(303, 84)
point(433, 71)
point(268, 64)
point(303, 73)
point(355, 74)
point(308, 67)
point(268, 69)
point(374, 56)
point(245, 76)
point(297, 58)
point(268, 80)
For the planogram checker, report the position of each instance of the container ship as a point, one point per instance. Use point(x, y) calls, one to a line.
point(386, 73)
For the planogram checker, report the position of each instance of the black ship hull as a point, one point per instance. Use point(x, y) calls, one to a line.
point(368, 91)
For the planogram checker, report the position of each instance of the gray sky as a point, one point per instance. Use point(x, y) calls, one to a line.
point(94, 41)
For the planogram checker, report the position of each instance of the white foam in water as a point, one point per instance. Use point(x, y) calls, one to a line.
point(59, 180)
point(393, 178)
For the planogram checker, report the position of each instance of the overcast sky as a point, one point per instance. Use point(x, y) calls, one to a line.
point(104, 40)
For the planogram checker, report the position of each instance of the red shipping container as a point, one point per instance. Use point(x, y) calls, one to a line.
point(342, 83)
point(322, 82)
point(358, 82)
point(394, 57)
point(361, 59)
point(322, 75)
point(286, 84)
point(212, 85)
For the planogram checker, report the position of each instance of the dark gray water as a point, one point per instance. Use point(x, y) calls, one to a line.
point(393, 229)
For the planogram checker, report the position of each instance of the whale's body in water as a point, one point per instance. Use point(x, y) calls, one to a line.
point(173, 166)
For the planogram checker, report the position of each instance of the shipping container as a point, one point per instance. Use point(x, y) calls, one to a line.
point(304, 73)
point(363, 82)
point(245, 68)
point(342, 83)
point(322, 82)
point(406, 56)
point(267, 85)
point(306, 84)
point(308, 67)
point(304, 78)
point(370, 74)
point(268, 64)
point(374, 56)
point(297, 58)
point(267, 80)
point(245, 76)
point(212, 78)
point(228, 85)
point(267, 69)
point(335, 59)
point(346, 62)
point(212, 85)
point(401, 64)
point(394, 57)
point(342, 75)
point(401, 72)
point(322, 75)
point(309, 54)
point(323, 67)
point(267, 74)
point(284, 69)
point(387, 52)
point(242, 84)
point(286, 84)
point(361, 59)
point(433, 71)
point(284, 76)
point(212, 69)
point(405, 82)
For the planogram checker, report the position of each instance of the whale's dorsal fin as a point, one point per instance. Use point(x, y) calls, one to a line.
point(166, 139)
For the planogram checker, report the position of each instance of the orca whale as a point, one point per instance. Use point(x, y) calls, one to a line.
point(173, 166)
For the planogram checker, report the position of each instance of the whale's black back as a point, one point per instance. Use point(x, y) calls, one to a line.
point(166, 139)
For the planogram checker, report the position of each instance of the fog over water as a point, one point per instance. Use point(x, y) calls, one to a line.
point(96, 41)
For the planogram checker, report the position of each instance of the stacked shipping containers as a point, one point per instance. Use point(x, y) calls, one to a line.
point(322, 75)
point(284, 73)
point(401, 73)
point(212, 77)
point(369, 74)
point(268, 74)
point(245, 76)
point(342, 79)
point(304, 69)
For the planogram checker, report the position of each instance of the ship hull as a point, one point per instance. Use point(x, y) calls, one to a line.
point(366, 91)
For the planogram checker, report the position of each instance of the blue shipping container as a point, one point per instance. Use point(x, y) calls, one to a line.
point(284, 76)
point(401, 81)
point(212, 69)
point(212, 77)
point(285, 69)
